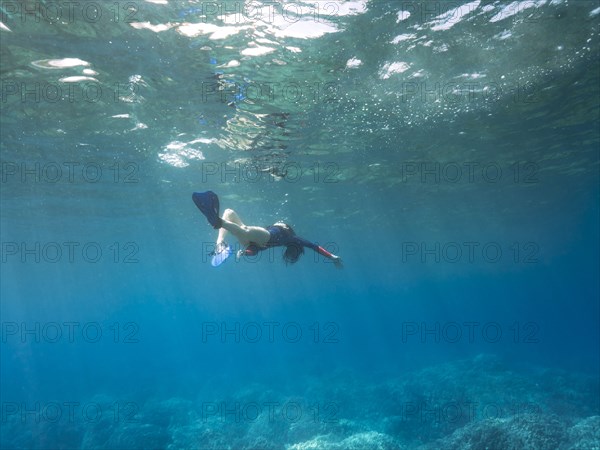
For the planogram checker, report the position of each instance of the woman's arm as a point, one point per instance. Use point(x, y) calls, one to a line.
point(320, 250)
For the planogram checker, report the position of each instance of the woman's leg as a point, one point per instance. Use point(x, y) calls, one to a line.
point(229, 215)
point(245, 234)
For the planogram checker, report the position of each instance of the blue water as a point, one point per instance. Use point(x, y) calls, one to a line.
point(447, 151)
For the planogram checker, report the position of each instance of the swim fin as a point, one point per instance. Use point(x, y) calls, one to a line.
point(220, 255)
point(208, 203)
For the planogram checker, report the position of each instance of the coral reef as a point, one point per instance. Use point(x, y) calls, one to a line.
point(476, 404)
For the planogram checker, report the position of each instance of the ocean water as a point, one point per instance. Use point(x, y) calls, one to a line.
point(447, 151)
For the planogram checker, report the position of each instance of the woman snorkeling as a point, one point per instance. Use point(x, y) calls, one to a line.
point(251, 238)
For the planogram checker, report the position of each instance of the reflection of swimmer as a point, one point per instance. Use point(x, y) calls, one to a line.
point(275, 172)
point(253, 239)
point(279, 119)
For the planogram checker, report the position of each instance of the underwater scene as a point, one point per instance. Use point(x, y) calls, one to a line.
point(337, 225)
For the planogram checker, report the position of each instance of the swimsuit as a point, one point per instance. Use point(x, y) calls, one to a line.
point(282, 235)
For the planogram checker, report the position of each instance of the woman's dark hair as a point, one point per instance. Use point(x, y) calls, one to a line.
point(292, 253)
